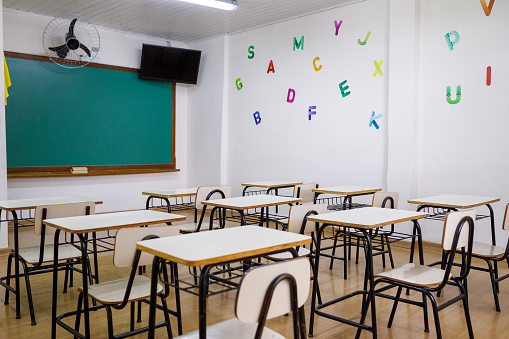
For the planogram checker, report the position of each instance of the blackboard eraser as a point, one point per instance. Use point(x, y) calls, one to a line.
point(79, 170)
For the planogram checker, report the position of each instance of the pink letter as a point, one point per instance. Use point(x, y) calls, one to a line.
point(292, 92)
point(337, 25)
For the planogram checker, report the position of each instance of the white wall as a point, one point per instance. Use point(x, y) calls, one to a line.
point(335, 147)
point(205, 107)
point(462, 147)
point(23, 33)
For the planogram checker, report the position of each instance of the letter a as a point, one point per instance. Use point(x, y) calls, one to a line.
point(292, 93)
point(271, 68)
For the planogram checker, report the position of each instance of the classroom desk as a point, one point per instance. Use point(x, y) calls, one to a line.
point(83, 225)
point(365, 220)
point(24, 205)
point(453, 202)
point(348, 192)
point(216, 247)
point(166, 195)
point(272, 185)
point(241, 204)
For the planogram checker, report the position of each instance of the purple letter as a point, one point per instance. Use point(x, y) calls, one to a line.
point(337, 25)
point(292, 92)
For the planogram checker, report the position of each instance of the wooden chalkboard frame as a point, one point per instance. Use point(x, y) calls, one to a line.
point(65, 171)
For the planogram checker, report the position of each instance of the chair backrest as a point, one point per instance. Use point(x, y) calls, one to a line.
point(60, 211)
point(388, 197)
point(505, 224)
point(126, 239)
point(203, 192)
point(452, 219)
point(299, 212)
point(255, 283)
point(305, 192)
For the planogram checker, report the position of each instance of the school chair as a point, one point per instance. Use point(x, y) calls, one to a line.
point(117, 294)
point(304, 192)
point(457, 236)
point(266, 292)
point(39, 259)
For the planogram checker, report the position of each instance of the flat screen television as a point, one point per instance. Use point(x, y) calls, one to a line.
point(171, 64)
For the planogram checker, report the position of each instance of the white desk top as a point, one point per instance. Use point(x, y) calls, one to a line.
point(272, 184)
point(346, 190)
point(454, 201)
point(368, 217)
point(115, 220)
point(205, 248)
point(25, 204)
point(183, 192)
point(251, 201)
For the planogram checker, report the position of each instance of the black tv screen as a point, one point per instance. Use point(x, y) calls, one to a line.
point(169, 64)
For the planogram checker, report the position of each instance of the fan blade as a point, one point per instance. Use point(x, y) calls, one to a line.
point(61, 51)
point(85, 48)
point(71, 29)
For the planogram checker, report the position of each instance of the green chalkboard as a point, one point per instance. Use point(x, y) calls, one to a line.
point(58, 117)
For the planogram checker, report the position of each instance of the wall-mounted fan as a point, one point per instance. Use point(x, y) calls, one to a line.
point(71, 41)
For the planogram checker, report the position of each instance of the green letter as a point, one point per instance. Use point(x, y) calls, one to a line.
point(299, 44)
point(251, 52)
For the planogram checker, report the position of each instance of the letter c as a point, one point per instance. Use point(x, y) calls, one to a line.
point(314, 64)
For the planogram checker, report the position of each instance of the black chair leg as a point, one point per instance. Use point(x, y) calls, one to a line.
point(78, 314)
point(8, 279)
point(110, 321)
point(435, 315)
point(177, 299)
point(131, 316)
point(166, 317)
point(29, 292)
point(334, 249)
point(467, 312)
point(425, 312)
point(394, 307)
point(391, 259)
point(493, 285)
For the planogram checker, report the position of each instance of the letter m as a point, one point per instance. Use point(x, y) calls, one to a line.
point(299, 44)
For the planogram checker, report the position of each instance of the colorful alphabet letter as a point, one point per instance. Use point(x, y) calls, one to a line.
point(487, 9)
point(250, 51)
point(257, 117)
point(299, 44)
point(271, 68)
point(314, 64)
point(488, 76)
point(239, 84)
point(291, 92)
point(362, 43)
point(344, 88)
point(458, 95)
point(378, 69)
point(451, 43)
point(372, 121)
point(311, 111)
point(337, 25)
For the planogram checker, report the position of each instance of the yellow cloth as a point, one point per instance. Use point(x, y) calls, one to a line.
point(7, 79)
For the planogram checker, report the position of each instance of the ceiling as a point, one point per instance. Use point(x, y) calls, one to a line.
point(175, 20)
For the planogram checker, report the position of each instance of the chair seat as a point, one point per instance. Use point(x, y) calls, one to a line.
point(188, 228)
point(65, 251)
point(303, 252)
point(112, 292)
point(416, 275)
point(486, 250)
point(233, 328)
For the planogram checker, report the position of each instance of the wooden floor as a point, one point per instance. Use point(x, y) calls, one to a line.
point(487, 323)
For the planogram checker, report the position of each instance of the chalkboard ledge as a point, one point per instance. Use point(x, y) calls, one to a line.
point(65, 171)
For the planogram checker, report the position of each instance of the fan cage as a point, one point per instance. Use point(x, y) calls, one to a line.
point(84, 31)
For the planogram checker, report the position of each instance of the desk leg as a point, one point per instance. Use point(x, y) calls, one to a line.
point(319, 231)
point(202, 300)
point(55, 284)
point(153, 297)
point(16, 262)
point(371, 293)
point(493, 241)
point(84, 273)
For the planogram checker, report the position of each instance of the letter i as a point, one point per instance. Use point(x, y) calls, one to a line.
point(488, 76)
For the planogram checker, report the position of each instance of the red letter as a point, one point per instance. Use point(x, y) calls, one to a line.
point(488, 76)
point(271, 68)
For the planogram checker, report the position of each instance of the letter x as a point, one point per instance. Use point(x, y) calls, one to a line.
point(378, 70)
